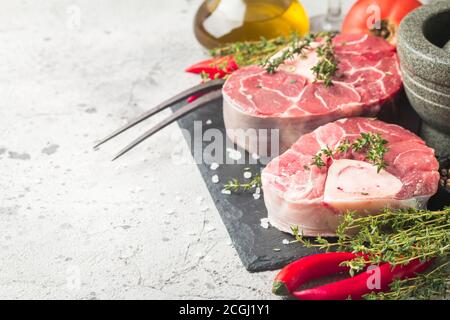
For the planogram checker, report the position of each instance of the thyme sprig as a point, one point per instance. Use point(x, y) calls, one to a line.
point(296, 48)
point(424, 286)
point(397, 237)
point(261, 52)
point(372, 144)
point(394, 236)
point(254, 52)
point(375, 147)
point(326, 67)
point(235, 186)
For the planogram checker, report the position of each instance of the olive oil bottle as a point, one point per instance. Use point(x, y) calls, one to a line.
point(218, 22)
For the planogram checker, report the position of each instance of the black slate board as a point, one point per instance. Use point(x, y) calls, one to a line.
point(262, 249)
point(241, 213)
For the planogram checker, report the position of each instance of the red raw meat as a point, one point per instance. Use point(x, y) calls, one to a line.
point(297, 193)
point(293, 103)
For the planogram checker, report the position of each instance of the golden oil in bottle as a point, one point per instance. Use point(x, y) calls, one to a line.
point(218, 22)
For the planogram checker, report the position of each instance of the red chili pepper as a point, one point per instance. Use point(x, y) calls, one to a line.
point(194, 97)
point(309, 268)
point(316, 266)
point(215, 68)
point(362, 284)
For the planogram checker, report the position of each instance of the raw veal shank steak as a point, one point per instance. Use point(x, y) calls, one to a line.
point(292, 102)
point(297, 193)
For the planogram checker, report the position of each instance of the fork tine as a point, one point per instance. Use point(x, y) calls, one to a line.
point(201, 88)
point(200, 102)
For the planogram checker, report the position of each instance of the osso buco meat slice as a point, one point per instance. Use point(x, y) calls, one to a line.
point(298, 194)
point(293, 103)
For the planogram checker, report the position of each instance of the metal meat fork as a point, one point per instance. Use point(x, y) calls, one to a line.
point(211, 90)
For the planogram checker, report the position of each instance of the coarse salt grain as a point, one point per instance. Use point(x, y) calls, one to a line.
point(215, 178)
point(234, 154)
point(286, 241)
point(214, 166)
point(225, 191)
point(265, 223)
point(247, 174)
point(256, 196)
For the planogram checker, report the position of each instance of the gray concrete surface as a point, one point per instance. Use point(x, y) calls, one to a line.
point(73, 224)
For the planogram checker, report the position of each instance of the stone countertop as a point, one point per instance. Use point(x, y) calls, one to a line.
point(73, 224)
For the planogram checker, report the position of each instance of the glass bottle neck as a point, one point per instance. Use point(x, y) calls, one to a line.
point(334, 10)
